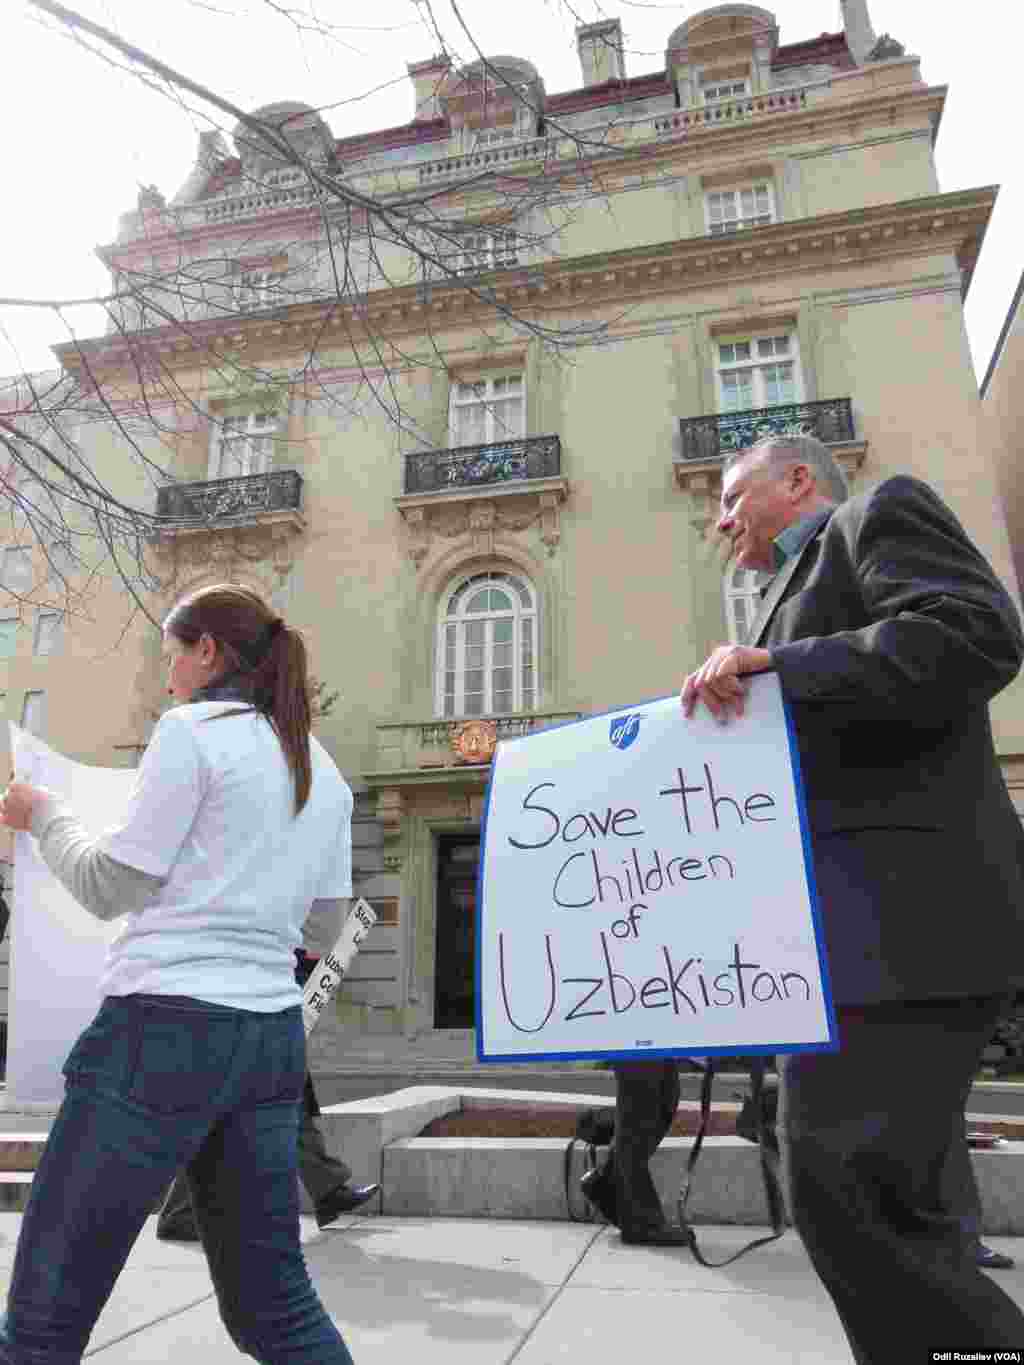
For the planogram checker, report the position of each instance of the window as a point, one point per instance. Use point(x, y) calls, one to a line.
point(757, 372)
point(490, 136)
point(734, 210)
point(242, 445)
point(8, 638)
point(17, 570)
point(723, 90)
point(742, 600)
point(488, 410)
point(60, 565)
point(49, 634)
point(259, 289)
point(487, 647)
point(492, 250)
point(33, 713)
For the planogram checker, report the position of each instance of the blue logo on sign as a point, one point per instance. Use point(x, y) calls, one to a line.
point(624, 729)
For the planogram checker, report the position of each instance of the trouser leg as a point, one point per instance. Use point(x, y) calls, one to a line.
point(176, 1214)
point(646, 1097)
point(100, 1175)
point(246, 1200)
point(321, 1172)
point(868, 1137)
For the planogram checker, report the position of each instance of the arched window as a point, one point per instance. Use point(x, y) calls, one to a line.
point(487, 647)
point(742, 600)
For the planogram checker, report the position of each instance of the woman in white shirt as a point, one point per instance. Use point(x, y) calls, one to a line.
point(238, 822)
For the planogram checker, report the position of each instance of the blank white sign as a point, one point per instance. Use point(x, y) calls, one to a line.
point(57, 949)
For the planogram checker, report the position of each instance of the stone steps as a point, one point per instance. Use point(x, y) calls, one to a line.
point(524, 1177)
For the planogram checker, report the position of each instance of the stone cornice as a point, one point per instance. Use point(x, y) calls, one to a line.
point(936, 223)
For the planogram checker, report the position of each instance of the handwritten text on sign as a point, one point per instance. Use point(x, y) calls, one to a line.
point(644, 890)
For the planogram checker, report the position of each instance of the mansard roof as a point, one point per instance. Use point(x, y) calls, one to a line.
point(828, 49)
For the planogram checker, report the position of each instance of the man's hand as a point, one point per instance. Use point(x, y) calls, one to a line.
point(719, 682)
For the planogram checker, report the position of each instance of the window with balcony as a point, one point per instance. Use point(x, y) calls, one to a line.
point(487, 647)
point(724, 90)
point(485, 411)
point(744, 207)
point(49, 633)
point(742, 600)
point(758, 372)
point(242, 445)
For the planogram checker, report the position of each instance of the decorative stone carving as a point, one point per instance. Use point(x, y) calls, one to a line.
point(389, 811)
point(474, 741)
point(482, 516)
point(508, 508)
point(550, 523)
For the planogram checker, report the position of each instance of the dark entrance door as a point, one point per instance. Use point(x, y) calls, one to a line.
point(457, 856)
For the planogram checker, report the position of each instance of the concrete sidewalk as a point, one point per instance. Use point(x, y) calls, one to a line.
point(469, 1292)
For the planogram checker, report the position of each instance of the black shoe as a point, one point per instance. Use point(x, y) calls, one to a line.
point(596, 1192)
point(343, 1200)
point(992, 1260)
point(181, 1231)
point(664, 1236)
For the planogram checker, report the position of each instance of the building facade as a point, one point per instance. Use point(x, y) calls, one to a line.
point(482, 477)
point(1003, 417)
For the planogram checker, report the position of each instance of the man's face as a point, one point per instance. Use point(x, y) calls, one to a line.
point(757, 503)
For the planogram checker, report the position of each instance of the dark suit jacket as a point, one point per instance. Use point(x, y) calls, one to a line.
point(890, 634)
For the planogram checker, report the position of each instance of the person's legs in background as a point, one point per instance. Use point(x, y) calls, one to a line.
point(965, 1197)
point(327, 1179)
point(646, 1097)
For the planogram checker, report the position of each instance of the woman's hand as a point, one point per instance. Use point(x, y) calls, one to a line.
point(18, 804)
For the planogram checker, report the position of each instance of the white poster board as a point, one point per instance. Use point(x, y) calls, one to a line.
point(646, 889)
point(57, 949)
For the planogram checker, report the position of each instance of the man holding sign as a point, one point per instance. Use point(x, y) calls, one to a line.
point(889, 634)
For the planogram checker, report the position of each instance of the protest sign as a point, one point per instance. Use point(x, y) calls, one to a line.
point(646, 889)
point(58, 950)
point(329, 972)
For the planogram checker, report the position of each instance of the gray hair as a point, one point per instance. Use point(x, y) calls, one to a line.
point(779, 452)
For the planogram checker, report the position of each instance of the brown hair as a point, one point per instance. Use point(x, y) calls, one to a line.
point(267, 658)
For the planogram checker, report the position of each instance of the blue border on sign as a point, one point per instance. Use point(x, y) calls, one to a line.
point(754, 1050)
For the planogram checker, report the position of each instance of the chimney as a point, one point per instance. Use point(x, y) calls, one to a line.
point(600, 49)
point(860, 36)
point(428, 80)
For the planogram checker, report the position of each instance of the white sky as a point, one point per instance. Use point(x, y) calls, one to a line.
point(82, 136)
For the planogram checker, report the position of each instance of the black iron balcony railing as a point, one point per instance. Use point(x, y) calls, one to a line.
point(437, 471)
point(706, 438)
point(225, 500)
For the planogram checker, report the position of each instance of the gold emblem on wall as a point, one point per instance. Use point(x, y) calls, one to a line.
point(474, 741)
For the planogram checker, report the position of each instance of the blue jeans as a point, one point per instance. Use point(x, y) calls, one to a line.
point(156, 1083)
